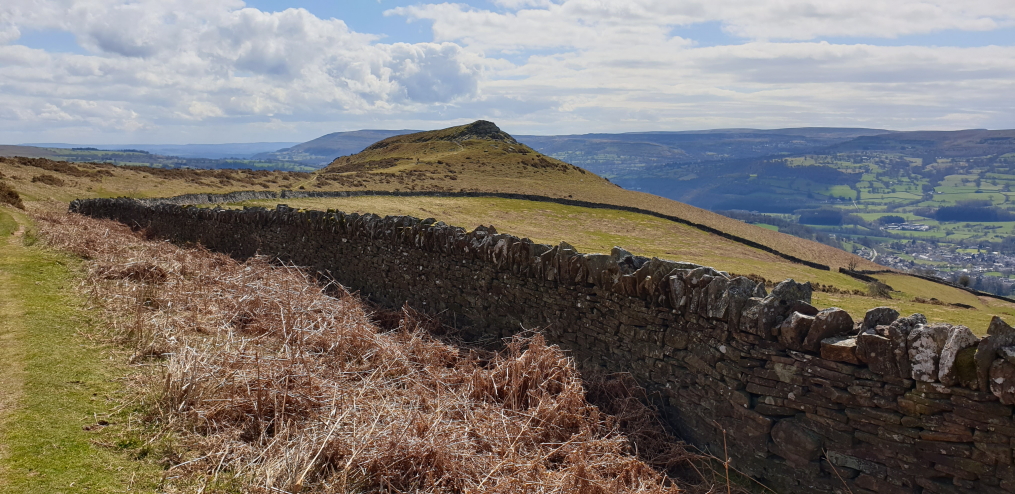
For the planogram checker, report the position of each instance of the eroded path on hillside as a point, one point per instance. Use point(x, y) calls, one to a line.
point(56, 386)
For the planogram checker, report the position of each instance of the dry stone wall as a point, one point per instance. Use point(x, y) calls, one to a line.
point(806, 400)
point(300, 194)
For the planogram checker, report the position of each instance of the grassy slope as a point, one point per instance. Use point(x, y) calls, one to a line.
point(410, 162)
point(55, 382)
point(597, 230)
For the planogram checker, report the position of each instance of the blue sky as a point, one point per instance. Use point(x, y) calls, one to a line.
point(206, 71)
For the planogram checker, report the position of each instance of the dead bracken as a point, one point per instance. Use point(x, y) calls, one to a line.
point(271, 384)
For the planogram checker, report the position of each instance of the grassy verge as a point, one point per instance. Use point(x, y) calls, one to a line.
point(57, 389)
point(7, 226)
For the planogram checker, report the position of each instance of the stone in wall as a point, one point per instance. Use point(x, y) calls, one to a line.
point(761, 316)
point(999, 334)
point(898, 334)
point(878, 316)
point(794, 329)
point(924, 344)
point(827, 323)
point(795, 443)
point(840, 349)
point(956, 365)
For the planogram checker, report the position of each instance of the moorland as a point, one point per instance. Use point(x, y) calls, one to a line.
point(113, 338)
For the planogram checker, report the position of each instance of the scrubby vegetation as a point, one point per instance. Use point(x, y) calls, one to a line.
point(10, 196)
point(263, 382)
point(48, 179)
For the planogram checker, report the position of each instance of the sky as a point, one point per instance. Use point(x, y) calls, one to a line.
point(216, 71)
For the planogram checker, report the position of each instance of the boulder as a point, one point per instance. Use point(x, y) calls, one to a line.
point(878, 316)
point(925, 344)
point(876, 351)
point(793, 442)
point(794, 329)
point(839, 349)
point(960, 339)
point(999, 334)
point(828, 323)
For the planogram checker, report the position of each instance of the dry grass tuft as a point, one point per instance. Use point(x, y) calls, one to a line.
point(266, 380)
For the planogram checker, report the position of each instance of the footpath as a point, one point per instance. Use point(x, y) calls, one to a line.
point(57, 387)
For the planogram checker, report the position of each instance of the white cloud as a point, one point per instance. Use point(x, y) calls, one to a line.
point(581, 22)
point(205, 70)
point(615, 65)
point(192, 60)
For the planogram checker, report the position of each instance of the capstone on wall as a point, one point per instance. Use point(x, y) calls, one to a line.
point(805, 400)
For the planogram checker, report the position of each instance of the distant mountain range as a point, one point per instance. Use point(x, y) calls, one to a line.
point(206, 151)
point(602, 152)
point(690, 166)
point(615, 155)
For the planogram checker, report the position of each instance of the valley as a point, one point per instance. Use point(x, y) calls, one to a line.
point(936, 203)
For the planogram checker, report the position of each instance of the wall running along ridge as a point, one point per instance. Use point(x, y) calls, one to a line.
point(299, 194)
point(805, 400)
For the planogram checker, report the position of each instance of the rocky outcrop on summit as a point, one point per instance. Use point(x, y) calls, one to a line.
point(480, 129)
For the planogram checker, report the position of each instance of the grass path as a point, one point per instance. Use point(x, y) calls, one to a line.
point(55, 383)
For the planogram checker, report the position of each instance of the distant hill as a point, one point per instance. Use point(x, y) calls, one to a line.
point(27, 152)
point(614, 155)
point(142, 157)
point(474, 157)
point(944, 144)
point(243, 150)
point(324, 149)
